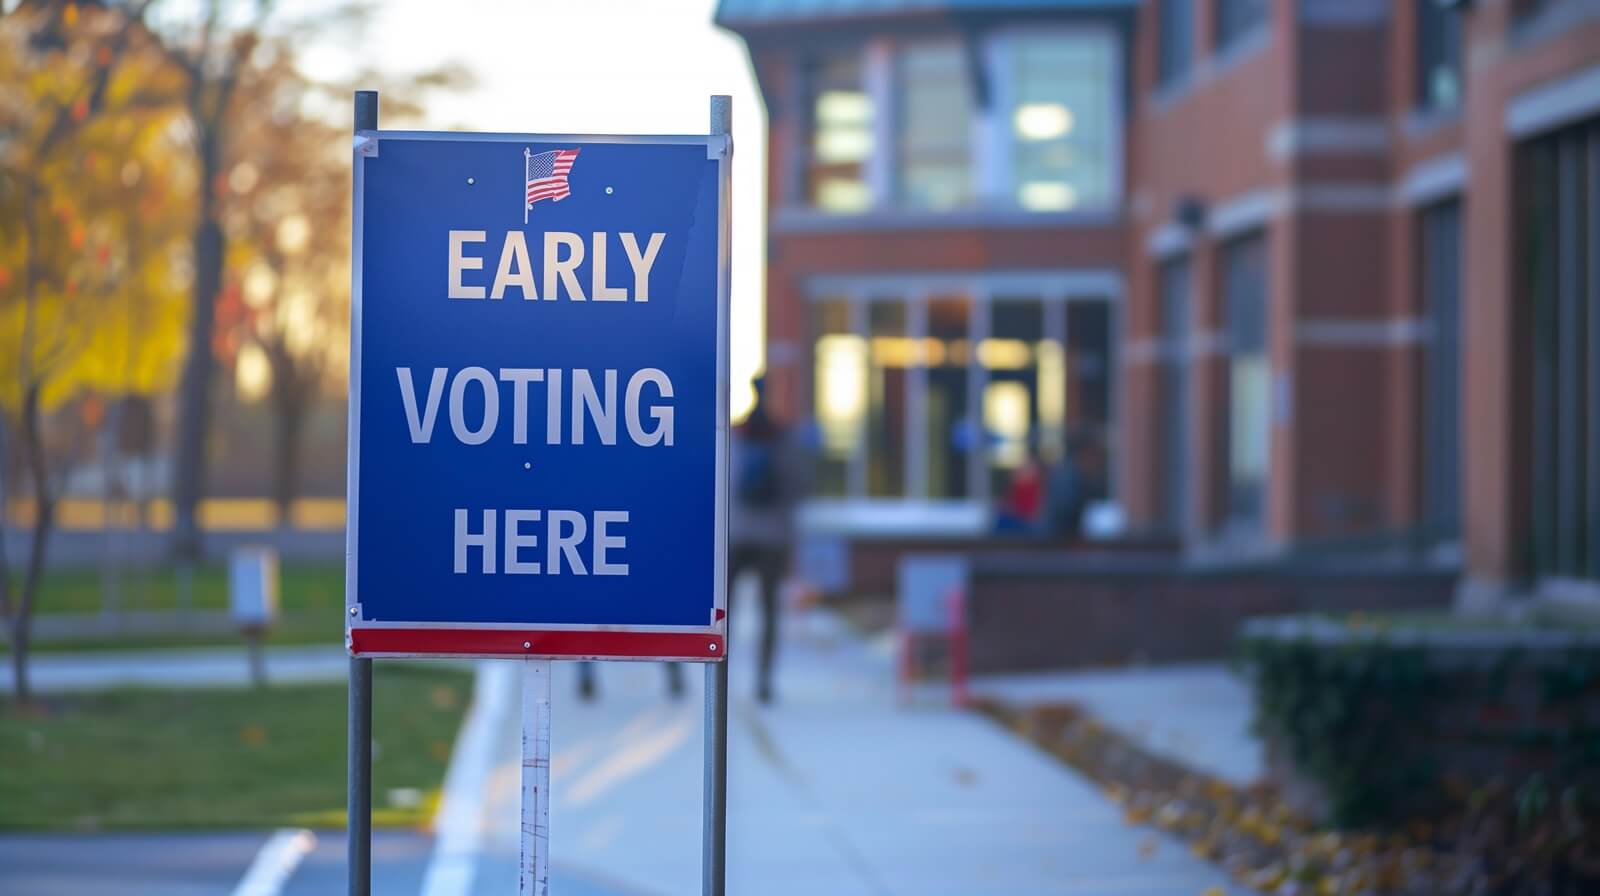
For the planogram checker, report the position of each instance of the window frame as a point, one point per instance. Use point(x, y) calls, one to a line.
point(999, 187)
point(1175, 285)
point(810, 170)
point(1432, 48)
point(1055, 291)
point(1257, 525)
point(991, 147)
point(968, 151)
point(1175, 54)
point(1224, 40)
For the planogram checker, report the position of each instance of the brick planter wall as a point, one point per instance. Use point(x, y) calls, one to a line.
point(1028, 612)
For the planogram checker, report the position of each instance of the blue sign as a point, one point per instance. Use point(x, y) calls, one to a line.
point(538, 396)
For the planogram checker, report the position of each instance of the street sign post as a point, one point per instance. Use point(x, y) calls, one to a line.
point(539, 415)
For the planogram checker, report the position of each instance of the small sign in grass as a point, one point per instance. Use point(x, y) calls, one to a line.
point(225, 758)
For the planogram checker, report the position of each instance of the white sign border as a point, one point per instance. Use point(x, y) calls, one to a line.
point(367, 144)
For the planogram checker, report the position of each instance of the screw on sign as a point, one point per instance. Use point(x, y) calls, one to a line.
point(538, 422)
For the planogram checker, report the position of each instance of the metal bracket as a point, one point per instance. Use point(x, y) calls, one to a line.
point(718, 147)
point(366, 144)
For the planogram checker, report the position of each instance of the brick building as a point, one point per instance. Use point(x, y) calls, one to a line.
point(1325, 270)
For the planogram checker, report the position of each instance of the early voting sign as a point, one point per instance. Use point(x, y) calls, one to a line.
point(538, 398)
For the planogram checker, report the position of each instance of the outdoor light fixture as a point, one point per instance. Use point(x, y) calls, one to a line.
point(1189, 212)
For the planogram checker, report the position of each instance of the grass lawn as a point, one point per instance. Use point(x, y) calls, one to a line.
point(310, 600)
point(226, 758)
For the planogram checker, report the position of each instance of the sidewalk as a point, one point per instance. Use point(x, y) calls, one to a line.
point(835, 790)
point(202, 667)
point(1197, 714)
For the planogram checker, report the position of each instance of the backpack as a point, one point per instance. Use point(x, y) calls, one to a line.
point(757, 483)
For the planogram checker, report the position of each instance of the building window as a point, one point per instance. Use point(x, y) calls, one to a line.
point(945, 396)
point(1238, 18)
point(948, 434)
point(1438, 55)
point(890, 355)
point(1561, 267)
point(935, 137)
point(1441, 294)
point(1522, 10)
point(1176, 36)
point(1244, 289)
point(841, 135)
point(1061, 119)
point(1011, 407)
point(839, 367)
point(1087, 370)
point(1174, 423)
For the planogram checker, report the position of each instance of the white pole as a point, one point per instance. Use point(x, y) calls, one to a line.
point(526, 153)
point(534, 879)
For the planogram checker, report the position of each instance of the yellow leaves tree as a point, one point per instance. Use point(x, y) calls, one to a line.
point(90, 255)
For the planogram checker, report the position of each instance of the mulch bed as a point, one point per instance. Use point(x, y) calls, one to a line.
point(1493, 846)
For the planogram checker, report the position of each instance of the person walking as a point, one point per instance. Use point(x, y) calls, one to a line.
point(1077, 482)
point(588, 688)
point(767, 481)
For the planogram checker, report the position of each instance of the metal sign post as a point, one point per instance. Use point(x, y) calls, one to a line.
point(714, 815)
point(538, 435)
point(534, 877)
point(358, 798)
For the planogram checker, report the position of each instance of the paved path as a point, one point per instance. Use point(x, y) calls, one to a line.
point(835, 790)
point(1198, 714)
point(187, 668)
point(214, 865)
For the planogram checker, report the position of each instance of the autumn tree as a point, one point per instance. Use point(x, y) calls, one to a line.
point(285, 306)
point(75, 114)
point(209, 53)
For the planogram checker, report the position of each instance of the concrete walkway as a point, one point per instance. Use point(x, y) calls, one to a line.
point(1197, 714)
point(835, 790)
point(201, 667)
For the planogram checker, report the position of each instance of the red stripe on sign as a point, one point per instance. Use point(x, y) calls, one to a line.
point(508, 643)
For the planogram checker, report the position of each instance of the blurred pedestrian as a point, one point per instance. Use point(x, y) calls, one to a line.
point(768, 479)
point(1075, 483)
point(588, 688)
point(1024, 496)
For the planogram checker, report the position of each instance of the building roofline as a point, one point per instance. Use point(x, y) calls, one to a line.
point(838, 13)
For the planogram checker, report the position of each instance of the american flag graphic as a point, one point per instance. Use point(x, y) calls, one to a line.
point(547, 176)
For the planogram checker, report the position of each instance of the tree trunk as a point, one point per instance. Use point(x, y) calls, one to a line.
point(43, 524)
point(288, 433)
point(5, 523)
point(111, 496)
point(194, 387)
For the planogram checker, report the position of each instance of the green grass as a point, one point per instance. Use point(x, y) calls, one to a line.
point(311, 598)
point(139, 759)
point(301, 587)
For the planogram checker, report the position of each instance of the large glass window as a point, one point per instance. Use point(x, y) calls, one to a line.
point(890, 352)
point(945, 396)
point(1441, 293)
point(1560, 176)
point(1174, 431)
point(935, 157)
point(841, 135)
point(1438, 55)
point(1176, 37)
point(1088, 369)
point(1062, 120)
point(948, 433)
point(1244, 287)
point(1011, 407)
point(1238, 18)
point(839, 397)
